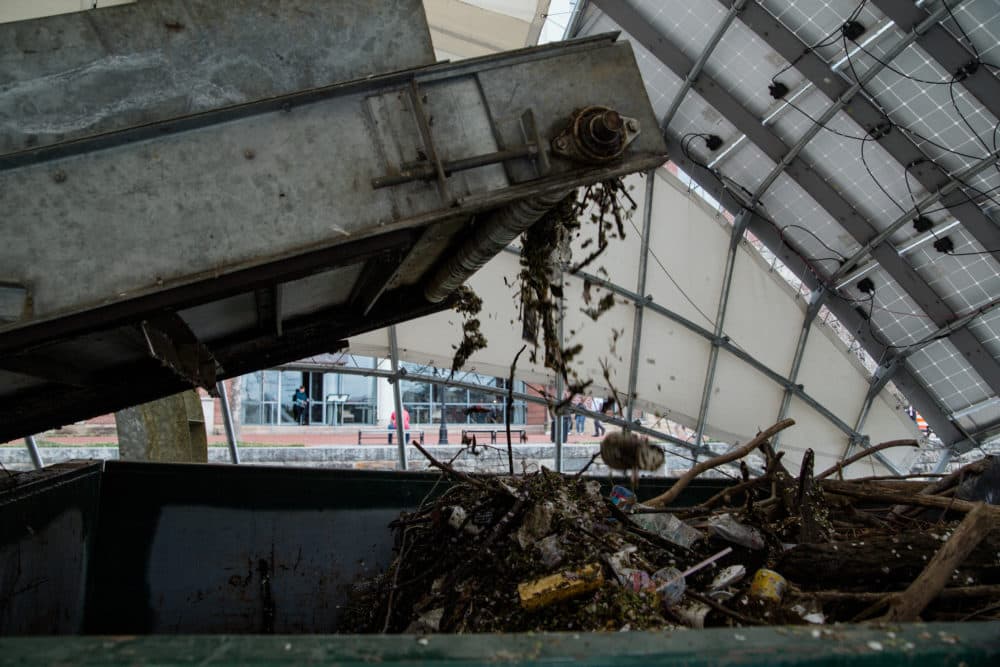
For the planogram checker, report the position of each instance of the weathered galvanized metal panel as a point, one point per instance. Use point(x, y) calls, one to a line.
point(75, 75)
point(280, 179)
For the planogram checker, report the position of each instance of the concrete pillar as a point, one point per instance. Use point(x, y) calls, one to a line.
point(170, 429)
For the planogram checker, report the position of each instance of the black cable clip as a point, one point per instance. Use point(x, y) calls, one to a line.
point(966, 70)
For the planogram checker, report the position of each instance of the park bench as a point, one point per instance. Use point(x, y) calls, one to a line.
point(492, 432)
point(385, 435)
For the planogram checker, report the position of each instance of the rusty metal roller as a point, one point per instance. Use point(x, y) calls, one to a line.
point(490, 237)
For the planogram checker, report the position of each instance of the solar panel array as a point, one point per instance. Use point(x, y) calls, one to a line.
point(932, 108)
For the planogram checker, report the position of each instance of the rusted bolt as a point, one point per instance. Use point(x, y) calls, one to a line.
point(633, 126)
point(59, 176)
point(249, 154)
point(561, 143)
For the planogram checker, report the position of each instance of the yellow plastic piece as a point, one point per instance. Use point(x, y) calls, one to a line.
point(562, 586)
point(768, 585)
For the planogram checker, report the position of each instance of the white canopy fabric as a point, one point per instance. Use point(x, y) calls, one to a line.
point(688, 247)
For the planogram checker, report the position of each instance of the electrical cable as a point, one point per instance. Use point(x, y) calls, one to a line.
point(823, 41)
point(839, 257)
point(906, 172)
point(825, 127)
point(965, 120)
point(671, 279)
point(888, 66)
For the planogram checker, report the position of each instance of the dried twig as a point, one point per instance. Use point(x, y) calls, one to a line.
point(670, 495)
point(956, 593)
point(579, 473)
point(509, 408)
point(448, 469)
point(974, 527)
point(704, 599)
point(863, 453)
point(876, 493)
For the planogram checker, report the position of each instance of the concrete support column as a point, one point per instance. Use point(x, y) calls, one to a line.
point(170, 429)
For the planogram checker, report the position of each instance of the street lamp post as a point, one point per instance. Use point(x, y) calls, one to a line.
point(443, 431)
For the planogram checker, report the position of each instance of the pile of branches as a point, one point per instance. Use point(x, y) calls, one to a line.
point(547, 551)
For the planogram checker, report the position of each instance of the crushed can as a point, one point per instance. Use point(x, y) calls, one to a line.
point(622, 498)
point(768, 585)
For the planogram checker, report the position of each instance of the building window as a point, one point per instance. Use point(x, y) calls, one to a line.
point(334, 399)
point(424, 400)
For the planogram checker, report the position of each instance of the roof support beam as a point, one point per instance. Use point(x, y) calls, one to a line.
point(722, 342)
point(647, 220)
point(908, 383)
point(739, 227)
point(947, 50)
point(867, 114)
point(735, 7)
point(858, 226)
point(987, 430)
point(841, 101)
point(816, 301)
point(811, 181)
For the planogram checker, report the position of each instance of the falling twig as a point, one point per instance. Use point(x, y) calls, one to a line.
point(864, 453)
point(669, 496)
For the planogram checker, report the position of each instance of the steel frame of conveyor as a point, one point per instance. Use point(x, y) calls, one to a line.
point(317, 333)
point(390, 236)
point(787, 159)
point(419, 76)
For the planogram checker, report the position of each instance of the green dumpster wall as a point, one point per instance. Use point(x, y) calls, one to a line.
point(182, 558)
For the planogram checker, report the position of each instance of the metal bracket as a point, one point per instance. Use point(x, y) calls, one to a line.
point(171, 342)
point(424, 170)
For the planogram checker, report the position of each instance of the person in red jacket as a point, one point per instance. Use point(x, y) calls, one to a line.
point(406, 424)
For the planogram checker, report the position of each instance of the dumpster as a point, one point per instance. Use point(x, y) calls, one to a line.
point(138, 563)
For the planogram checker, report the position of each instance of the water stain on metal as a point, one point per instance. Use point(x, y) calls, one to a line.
point(267, 599)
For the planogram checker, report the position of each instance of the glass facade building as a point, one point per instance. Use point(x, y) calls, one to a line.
point(335, 399)
point(339, 399)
